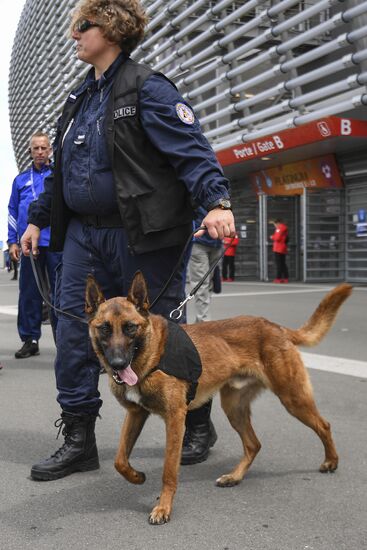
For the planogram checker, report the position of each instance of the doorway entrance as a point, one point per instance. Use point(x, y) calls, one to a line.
point(286, 208)
point(317, 245)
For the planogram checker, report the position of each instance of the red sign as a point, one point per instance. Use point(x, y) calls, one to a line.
point(291, 179)
point(295, 137)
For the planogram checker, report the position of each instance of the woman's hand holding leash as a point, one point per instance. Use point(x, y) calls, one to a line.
point(30, 239)
point(219, 224)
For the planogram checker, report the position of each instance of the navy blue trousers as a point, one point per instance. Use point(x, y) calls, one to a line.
point(104, 254)
point(30, 301)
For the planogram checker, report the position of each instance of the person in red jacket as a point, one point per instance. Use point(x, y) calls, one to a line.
point(280, 249)
point(228, 266)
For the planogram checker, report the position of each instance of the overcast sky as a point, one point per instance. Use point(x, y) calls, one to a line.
point(7, 160)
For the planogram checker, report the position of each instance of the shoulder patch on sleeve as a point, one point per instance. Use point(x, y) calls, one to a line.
point(184, 113)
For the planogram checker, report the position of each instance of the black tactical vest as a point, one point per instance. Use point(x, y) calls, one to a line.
point(155, 207)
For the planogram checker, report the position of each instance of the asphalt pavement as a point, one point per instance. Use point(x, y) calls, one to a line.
point(284, 503)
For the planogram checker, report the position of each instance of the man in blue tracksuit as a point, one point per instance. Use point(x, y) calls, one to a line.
point(26, 188)
point(130, 159)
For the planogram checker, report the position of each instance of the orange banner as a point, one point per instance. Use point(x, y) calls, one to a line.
point(291, 179)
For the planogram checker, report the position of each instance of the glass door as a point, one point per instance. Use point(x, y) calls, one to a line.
point(286, 208)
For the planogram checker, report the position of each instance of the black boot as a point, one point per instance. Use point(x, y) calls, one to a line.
point(78, 453)
point(200, 435)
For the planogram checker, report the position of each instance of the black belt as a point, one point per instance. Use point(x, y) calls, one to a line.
point(112, 220)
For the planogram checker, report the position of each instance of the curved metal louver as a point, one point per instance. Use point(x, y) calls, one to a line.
point(248, 67)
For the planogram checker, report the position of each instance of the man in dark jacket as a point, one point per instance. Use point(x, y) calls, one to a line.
point(130, 158)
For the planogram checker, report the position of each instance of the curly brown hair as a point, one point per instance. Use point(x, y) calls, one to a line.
point(122, 21)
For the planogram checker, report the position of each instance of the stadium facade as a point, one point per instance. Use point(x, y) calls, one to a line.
point(280, 90)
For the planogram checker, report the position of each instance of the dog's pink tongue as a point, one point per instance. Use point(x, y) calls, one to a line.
point(128, 376)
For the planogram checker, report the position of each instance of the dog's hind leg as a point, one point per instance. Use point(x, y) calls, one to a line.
point(297, 398)
point(175, 428)
point(130, 431)
point(305, 410)
point(236, 405)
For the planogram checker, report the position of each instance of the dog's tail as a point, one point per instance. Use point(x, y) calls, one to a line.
point(320, 322)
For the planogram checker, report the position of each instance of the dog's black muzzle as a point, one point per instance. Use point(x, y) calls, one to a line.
point(118, 363)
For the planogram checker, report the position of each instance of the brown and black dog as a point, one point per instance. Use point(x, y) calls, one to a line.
point(240, 357)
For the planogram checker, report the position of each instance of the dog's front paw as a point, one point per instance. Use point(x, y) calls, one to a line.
point(159, 515)
point(227, 481)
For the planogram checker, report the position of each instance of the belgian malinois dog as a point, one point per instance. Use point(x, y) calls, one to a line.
point(240, 357)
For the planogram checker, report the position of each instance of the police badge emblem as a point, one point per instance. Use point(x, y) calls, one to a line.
point(184, 113)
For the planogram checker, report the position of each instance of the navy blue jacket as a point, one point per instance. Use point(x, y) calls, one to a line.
point(172, 146)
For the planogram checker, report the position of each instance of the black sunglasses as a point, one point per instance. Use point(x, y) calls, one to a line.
point(84, 24)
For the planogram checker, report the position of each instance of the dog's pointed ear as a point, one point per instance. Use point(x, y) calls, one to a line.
point(138, 293)
point(93, 297)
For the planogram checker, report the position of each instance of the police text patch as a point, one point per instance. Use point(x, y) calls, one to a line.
point(184, 113)
point(128, 110)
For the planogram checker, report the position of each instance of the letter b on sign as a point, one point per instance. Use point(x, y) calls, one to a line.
point(345, 127)
point(278, 142)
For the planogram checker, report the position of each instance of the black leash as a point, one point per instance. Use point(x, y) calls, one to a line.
point(40, 282)
point(175, 314)
point(175, 269)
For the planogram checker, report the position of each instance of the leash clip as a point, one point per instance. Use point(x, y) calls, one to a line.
point(176, 314)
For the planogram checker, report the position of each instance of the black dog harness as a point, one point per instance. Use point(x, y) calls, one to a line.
point(180, 358)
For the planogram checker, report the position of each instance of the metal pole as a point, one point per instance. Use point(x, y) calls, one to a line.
point(304, 233)
point(359, 23)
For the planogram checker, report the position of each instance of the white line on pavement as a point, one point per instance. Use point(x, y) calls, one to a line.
point(9, 310)
point(290, 291)
point(269, 292)
point(339, 365)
